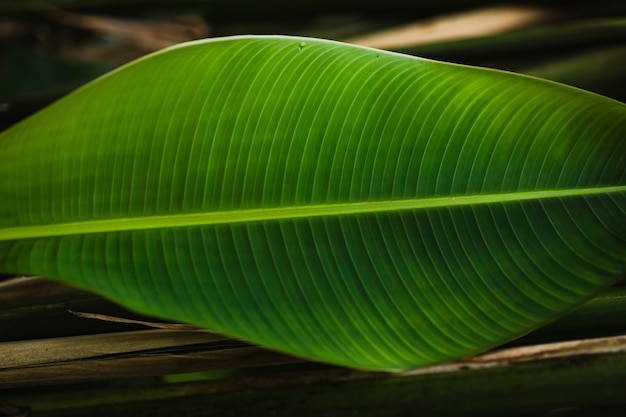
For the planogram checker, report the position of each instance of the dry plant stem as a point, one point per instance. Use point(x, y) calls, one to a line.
point(166, 326)
point(506, 357)
point(61, 350)
point(140, 365)
point(158, 352)
point(147, 36)
point(476, 23)
point(592, 377)
point(122, 355)
point(26, 288)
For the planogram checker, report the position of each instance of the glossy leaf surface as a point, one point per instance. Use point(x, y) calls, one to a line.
point(339, 203)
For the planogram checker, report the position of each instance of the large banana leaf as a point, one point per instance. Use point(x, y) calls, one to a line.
point(340, 203)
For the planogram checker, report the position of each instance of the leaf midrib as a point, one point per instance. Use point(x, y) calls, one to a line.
point(285, 213)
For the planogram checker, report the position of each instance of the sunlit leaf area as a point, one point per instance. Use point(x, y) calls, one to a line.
point(335, 208)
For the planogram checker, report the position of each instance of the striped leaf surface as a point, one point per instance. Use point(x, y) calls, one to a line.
point(339, 203)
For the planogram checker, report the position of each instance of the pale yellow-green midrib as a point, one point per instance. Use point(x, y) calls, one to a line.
point(282, 213)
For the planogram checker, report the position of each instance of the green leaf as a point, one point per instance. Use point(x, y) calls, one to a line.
point(339, 203)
